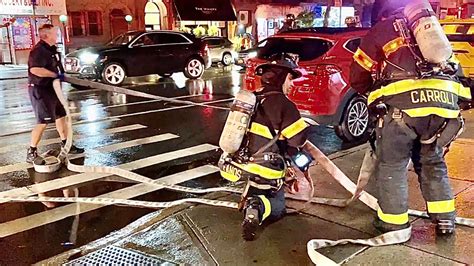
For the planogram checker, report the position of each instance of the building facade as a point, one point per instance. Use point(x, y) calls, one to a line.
point(19, 21)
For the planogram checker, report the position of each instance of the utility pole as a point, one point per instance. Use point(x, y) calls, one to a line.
point(35, 32)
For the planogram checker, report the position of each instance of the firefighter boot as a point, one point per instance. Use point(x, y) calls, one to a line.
point(251, 219)
point(383, 227)
point(445, 227)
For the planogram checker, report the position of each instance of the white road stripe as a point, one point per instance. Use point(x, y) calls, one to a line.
point(136, 142)
point(28, 109)
point(117, 146)
point(24, 117)
point(77, 179)
point(57, 214)
point(50, 141)
point(110, 118)
point(53, 127)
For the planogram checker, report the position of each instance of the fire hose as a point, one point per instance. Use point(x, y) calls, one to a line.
point(50, 162)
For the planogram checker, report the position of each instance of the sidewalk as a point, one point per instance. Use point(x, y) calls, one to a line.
point(205, 235)
point(13, 71)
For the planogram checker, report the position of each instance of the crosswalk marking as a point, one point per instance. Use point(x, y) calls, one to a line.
point(46, 142)
point(117, 146)
point(57, 214)
point(77, 179)
point(52, 127)
point(136, 142)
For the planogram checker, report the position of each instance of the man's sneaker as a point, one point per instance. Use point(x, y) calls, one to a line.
point(31, 155)
point(384, 227)
point(445, 227)
point(74, 149)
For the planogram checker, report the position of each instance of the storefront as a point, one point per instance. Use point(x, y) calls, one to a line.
point(212, 17)
point(17, 39)
point(270, 18)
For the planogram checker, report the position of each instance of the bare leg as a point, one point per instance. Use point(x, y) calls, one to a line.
point(36, 134)
point(61, 127)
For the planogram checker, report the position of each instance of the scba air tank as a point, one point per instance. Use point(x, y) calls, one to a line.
point(237, 122)
point(429, 35)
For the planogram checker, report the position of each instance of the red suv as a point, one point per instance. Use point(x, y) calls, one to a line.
point(324, 95)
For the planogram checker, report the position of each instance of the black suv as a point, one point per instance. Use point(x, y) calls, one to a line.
point(139, 53)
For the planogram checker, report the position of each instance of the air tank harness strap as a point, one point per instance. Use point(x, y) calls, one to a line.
point(261, 156)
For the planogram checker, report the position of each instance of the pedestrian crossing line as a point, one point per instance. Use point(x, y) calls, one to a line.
point(132, 143)
point(50, 141)
point(77, 179)
point(36, 220)
point(117, 117)
point(24, 117)
point(117, 146)
point(52, 127)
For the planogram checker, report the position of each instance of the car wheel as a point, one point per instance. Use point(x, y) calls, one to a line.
point(113, 73)
point(194, 68)
point(227, 59)
point(355, 121)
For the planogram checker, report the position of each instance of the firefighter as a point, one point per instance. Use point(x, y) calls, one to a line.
point(275, 131)
point(289, 24)
point(419, 111)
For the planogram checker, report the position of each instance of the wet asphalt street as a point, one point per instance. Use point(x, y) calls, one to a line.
point(158, 139)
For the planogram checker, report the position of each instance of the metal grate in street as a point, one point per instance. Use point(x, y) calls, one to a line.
point(112, 255)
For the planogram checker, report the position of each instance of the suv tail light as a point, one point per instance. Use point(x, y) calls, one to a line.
point(206, 49)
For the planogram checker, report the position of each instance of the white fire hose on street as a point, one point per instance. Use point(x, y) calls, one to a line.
point(51, 162)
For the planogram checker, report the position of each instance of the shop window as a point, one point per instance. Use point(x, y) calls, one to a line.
point(86, 23)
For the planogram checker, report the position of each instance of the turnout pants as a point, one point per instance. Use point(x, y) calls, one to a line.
point(272, 202)
point(398, 140)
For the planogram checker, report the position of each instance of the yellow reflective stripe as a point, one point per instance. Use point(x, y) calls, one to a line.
point(293, 129)
point(426, 111)
point(267, 207)
point(393, 218)
point(262, 171)
point(261, 130)
point(442, 206)
point(415, 84)
point(393, 45)
point(364, 60)
point(230, 177)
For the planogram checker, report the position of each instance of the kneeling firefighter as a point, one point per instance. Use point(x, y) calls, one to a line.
point(419, 87)
point(264, 129)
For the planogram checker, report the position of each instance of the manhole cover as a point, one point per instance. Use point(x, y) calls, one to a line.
point(115, 255)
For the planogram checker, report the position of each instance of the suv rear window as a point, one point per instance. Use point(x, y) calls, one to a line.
point(353, 44)
point(306, 48)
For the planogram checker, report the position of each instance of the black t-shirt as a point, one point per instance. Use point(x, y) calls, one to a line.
point(45, 56)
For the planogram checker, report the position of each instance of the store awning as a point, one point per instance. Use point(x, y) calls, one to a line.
point(205, 10)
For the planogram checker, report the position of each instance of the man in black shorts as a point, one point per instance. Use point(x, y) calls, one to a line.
point(43, 67)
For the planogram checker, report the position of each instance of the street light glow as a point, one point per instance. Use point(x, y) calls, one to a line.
point(128, 18)
point(63, 18)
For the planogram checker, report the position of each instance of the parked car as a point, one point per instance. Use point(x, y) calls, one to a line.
point(323, 95)
point(460, 33)
point(139, 53)
point(221, 50)
point(246, 54)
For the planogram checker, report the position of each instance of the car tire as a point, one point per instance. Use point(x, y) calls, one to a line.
point(113, 73)
point(227, 59)
point(194, 68)
point(355, 121)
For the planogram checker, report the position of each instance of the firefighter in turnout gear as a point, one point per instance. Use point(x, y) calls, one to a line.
point(421, 111)
point(275, 132)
